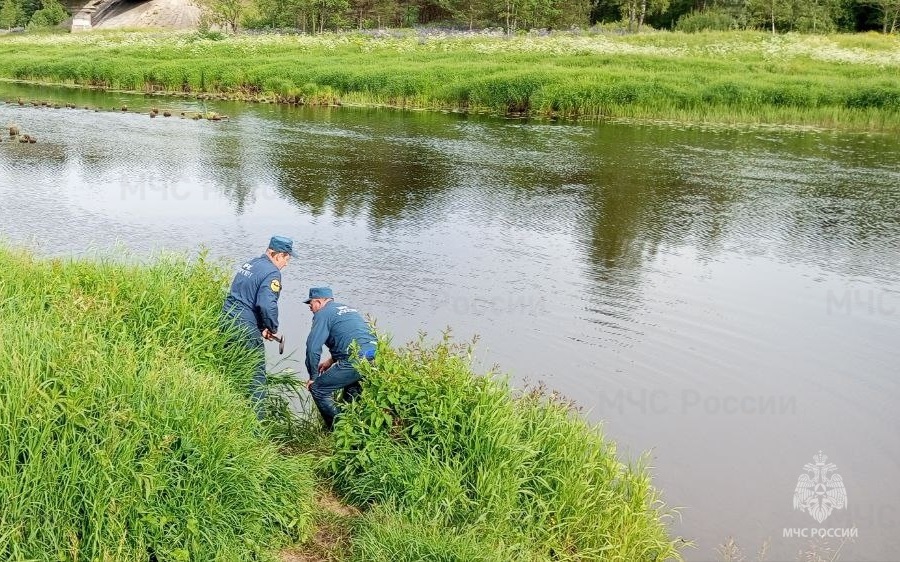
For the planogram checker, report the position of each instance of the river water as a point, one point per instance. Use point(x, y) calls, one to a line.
point(727, 300)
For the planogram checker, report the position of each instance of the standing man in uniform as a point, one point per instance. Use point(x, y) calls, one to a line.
point(336, 326)
point(251, 306)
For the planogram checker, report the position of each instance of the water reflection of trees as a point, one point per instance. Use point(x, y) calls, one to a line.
point(849, 192)
point(637, 193)
point(628, 197)
point(361, 164)
point(383, 180)
point(624, 192)
point(633, 190)
point(232, 165)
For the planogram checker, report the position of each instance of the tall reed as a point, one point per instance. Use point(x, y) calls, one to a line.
point(450, 453)
point(126, 433)
point(834, 81)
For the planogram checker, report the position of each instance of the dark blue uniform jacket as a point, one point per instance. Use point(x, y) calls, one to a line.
point(253, 298)
point(337, 326)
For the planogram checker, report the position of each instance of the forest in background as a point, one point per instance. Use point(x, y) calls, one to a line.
point(512, 16)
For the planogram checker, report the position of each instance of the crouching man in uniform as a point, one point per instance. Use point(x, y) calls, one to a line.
point(336, 326)
point(251, 307)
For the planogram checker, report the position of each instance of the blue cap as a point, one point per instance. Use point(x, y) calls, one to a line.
point(282, 244)
point(319, 293)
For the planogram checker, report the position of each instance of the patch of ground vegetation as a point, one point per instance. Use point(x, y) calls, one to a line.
point(128, 436)
point(833, 81)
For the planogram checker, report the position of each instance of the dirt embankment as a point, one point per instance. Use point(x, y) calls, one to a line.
point(169, 14)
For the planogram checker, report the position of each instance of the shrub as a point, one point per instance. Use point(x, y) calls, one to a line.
point(50, 15)
point(708, 20)
point(460, 452)
point(885, 97)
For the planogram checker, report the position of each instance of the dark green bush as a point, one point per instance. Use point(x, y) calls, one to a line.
point(884, 97)
point(51, 14)
point(708, 20)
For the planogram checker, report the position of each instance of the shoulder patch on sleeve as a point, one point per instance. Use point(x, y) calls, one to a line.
point(275, 285)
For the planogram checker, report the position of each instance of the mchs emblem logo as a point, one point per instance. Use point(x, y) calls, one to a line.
point(819, 492)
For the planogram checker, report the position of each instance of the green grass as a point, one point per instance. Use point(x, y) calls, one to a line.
point(840, 81)
point(125, 433)
point(460, 464)
point(386, 536)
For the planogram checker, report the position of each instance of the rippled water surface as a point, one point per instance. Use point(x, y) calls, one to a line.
point(727, 300)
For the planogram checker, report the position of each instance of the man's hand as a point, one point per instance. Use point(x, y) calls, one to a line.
point(325, 365)
point(266, 334)
point(309, 384)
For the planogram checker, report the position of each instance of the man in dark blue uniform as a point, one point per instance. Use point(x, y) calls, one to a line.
point(336, 326)
point(251, 307)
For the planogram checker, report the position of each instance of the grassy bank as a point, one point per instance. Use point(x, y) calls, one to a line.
point(125, 432)
point(464, 465)
point(127, 436)
point(848, 81)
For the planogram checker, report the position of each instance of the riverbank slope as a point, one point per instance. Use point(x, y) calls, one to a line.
point(128, 435)
point(837, 81)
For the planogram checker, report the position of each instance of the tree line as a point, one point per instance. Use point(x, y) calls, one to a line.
point(31, 13)
point(512, 16)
